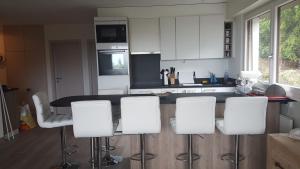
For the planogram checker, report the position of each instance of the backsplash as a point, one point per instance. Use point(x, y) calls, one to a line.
point(201, 67)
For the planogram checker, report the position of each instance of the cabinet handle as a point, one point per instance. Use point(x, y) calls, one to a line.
point(277, 164)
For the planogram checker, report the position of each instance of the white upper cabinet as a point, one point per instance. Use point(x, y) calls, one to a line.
point(211, 36)
point(144, 35)
point(187, 37)
point(167, 38)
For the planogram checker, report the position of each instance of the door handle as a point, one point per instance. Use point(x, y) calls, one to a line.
point(58, 79)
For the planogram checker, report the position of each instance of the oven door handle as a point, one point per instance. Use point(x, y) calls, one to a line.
point(112, 51)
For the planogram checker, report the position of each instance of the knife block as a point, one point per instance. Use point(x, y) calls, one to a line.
point(172, 79)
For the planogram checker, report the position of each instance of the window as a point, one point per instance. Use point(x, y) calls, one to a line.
point(259, 44)
point(288, 59)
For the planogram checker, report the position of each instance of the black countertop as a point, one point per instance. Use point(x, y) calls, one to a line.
point(178, 86)
point(164, 99)
point(221, 83)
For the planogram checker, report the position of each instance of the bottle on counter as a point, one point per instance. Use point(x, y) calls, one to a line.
point(226, 76)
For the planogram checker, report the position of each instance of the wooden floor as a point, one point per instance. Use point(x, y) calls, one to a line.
point(39, 148)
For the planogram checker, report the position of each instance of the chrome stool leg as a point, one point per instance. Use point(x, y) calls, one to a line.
point(63, 141)
point(107, 159)
point(189, 156)
point(92, 151)
point(142, 141)
point(237, 152)
point(235, 158)
point(142, 156)
point(98, 154)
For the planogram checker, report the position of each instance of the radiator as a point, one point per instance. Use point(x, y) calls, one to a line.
point(286, 124)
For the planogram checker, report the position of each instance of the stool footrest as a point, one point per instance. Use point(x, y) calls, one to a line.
point(184, 156)
point(230, 157)
point(138, 157)
point(108, 160)
point(111, 148)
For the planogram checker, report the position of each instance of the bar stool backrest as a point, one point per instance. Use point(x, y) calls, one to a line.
point(245, 115)
point(92, 118)
point(140, 115)
point(42, 107)
point(195, 115)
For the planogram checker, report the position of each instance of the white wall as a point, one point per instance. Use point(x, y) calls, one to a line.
point(2, 75)
point(236, 62)
point(237, 7)
point(292, 110)
point(157, 11)
point(201, 67)
point(83, 32)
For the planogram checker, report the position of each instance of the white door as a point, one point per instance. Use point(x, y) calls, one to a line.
point(67, 64)
point(187, 37)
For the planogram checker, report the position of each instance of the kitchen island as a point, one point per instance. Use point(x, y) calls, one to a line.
point(167, 144)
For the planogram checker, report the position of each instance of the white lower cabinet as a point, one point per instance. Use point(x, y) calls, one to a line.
point(189, 90)
point(184, 90)
point(218, 89)
point(145, 91)
point(170, 90)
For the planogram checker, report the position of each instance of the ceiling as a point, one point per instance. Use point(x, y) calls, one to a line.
point(70, 11)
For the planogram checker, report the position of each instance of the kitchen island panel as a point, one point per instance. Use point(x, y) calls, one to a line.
point(167, 144)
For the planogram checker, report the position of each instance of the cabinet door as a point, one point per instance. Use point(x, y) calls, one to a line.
point(167, 38)
point(187, 37)
point(144, 35)
point(211, 36)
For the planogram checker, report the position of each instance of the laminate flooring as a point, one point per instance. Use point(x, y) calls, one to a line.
point(39, 148)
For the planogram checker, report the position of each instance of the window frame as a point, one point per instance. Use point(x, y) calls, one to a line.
point(248, 59)
point(273, 7)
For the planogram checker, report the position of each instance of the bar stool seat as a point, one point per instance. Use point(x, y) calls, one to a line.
point(194, 115)
point(141, 115)
point(93, 119)
point(242, 116)
point(48, 119)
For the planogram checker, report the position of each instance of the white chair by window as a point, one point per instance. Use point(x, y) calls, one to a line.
point(48, 119)
point(194, 115)
point(93, 119)
point(242, 115)
point(141, 115)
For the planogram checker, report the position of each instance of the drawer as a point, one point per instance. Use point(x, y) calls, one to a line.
point(218, 89)
point(189, 90)
point(279, 165)
point(171, 90)
point(279, 162)
point(145, 91)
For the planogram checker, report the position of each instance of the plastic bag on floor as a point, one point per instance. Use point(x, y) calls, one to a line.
point(26, 119)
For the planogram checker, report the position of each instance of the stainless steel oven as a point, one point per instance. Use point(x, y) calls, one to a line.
point(113, 62)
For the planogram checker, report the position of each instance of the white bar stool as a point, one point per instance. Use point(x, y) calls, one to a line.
point(48, 119)
point(194, 115)
point(242, 115)
point(93, 119)
point(141, 115)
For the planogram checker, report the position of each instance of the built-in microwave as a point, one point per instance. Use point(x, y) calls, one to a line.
point(111, 34)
